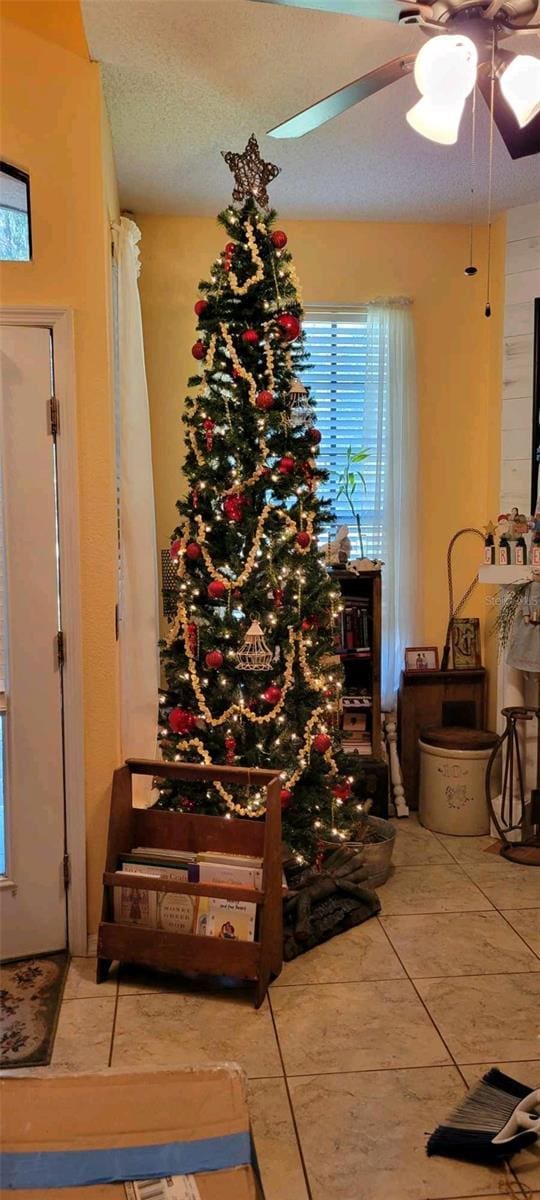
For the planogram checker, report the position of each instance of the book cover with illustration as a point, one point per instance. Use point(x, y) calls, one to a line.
point(232, 920)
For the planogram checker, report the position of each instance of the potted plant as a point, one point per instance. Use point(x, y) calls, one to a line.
point(347, 482)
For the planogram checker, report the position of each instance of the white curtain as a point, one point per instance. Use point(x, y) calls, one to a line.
point(392, 368)
point(138, 609)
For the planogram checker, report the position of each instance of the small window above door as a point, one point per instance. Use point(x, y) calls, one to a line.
point(15, 229)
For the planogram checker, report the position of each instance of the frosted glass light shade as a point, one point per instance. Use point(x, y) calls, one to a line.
point(520, 86)
point(438, 122)
point(445, 69)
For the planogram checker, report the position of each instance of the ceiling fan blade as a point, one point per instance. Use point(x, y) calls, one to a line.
point(378, 10)
point(346, 97)
point(519, 142)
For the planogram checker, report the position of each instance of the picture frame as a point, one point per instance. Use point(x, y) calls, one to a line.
point(465, 637)
point(421, 659)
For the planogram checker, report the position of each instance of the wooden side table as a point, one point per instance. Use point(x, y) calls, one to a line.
point(435, 698)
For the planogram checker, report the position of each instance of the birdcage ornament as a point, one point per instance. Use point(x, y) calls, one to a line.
point(254, 655)
point(301, 409)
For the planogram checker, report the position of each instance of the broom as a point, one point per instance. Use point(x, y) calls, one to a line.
point(498, 1117)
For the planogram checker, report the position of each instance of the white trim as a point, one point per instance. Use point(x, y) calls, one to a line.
point(60, 321)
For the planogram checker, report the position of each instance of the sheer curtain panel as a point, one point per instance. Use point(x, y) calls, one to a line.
point(138, 609)
point(392, 380)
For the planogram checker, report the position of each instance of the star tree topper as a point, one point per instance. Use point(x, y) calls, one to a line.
point(251, 173)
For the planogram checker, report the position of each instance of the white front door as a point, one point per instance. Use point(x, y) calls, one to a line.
point(32, 889)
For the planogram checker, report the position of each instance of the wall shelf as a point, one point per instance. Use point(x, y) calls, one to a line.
point(504, 575)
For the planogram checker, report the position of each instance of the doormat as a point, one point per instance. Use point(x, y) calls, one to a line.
point(30, 995)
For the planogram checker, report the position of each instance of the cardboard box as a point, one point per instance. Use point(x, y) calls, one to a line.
point(198, 1116)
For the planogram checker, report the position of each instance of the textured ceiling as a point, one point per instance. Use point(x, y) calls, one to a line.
point(185, 79)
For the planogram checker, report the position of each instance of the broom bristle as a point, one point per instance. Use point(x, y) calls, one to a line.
point(478, 1118)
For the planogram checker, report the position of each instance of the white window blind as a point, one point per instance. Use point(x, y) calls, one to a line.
point(347, 377)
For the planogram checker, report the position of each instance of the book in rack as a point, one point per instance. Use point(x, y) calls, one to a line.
point(151, 853)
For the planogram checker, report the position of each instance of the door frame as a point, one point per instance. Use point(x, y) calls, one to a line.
point(60, 322)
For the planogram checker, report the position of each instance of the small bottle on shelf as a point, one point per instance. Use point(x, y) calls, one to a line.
point(535, 550)
point(504, 551)
point(521, 552)
point(489, 550)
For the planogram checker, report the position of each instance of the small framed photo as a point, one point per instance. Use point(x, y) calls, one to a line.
point(466, 643)
point(421, 658)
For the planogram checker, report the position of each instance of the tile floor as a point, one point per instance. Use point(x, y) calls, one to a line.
point(364, 1044)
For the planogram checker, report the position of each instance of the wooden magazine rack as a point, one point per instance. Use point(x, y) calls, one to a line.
point(168, 951)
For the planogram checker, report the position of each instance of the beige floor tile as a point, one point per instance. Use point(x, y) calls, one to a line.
point(415, 846)
point(464, 849)
point(506, 884)
point(364, 1135)
point(83, 1036)
point(81, 981)
point(188, 1030)
point(458, 944)
point(430, 889)
point(354, 1027)
point(275, 1140)
point(361, 953)
point(526, 1164)
point(486, 1017)
point(526, 922)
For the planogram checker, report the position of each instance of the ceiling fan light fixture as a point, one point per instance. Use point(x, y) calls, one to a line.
point(438, 122)
point(520, 86)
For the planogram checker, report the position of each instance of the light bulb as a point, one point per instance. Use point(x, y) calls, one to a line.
point(445, 74)
point(520, 86)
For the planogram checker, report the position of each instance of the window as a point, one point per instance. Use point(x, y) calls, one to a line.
point(347, 376)
point(15, 234)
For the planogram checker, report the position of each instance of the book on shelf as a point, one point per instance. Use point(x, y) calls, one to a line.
point(352, 632)
point(232, 920)
point(226, 873)
point(177, 912)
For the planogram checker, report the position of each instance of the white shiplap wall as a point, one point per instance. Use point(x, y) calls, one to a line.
point(522, 286)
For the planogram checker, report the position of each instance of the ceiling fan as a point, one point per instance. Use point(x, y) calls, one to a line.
point(446, 69)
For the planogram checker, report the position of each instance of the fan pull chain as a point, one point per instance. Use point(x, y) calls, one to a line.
point(471, 269)
point(487, 310)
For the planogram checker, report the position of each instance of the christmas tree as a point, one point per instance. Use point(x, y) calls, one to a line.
point(248, 657)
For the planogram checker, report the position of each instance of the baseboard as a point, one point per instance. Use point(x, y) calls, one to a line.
point(91, 948)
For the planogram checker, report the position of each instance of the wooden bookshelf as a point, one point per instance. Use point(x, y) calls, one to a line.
point(362, 666)
point(257, 961)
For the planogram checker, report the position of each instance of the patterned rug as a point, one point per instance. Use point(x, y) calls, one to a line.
point(30, 995)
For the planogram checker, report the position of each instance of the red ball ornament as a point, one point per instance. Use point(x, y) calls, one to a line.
point(237, 596)
point(175, 549)
point(314, 436)
point(303, 539)
point(181, 721)
point(321, 743)
point(193, 551)
point(286, 464)
point(198, 350)
point(250, 337)
point(272, 694)
point(230, 248)
point(265, 401)
point(308, 623)
point(342, 791)
point(200, 307)
point(214, 659)
point(285, 797)
point(216, 589)
point(233, 507)
point(289, 326)
point(279, 239)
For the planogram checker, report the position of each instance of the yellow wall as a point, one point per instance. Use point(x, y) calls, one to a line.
point(458, 353)
point(52, 127)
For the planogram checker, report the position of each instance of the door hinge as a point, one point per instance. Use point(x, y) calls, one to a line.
point(54, 416)
point(66, 867)
point(60, 648)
